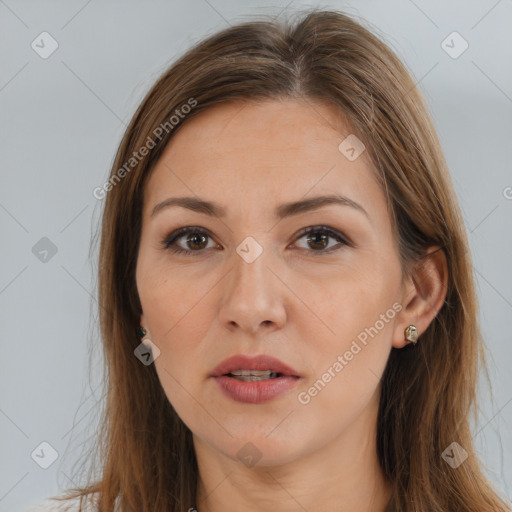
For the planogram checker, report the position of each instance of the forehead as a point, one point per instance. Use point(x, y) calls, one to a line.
point(269, 149)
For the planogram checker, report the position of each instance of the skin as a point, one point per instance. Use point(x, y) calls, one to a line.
point(292, 302)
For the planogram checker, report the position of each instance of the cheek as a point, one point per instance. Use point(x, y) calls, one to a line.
point(349, 301)
point(352, 336)
point(179, 315)
point(169, 296)
point(346, 374)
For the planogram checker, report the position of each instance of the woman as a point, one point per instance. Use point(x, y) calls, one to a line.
point(287, 303)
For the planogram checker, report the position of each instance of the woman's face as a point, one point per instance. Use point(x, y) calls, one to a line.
point(248, 282)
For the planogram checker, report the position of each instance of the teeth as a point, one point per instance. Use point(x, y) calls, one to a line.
point(254, 378)
point(253, 375)
point(256, 373)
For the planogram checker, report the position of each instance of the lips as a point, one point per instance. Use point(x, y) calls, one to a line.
point(254, 380)
point(257, 363)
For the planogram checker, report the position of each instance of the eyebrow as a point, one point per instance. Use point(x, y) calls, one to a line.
point(285, 210)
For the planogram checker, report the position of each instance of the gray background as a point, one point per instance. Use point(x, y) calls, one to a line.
point(61, 120)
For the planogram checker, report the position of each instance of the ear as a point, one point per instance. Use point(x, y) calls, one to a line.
point(423, 295)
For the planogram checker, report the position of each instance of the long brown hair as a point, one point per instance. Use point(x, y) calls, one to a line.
point(147, 460)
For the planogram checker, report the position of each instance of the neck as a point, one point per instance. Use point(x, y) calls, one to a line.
point(344, 476)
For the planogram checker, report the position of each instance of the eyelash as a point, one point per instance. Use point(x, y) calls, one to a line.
point(170, 240)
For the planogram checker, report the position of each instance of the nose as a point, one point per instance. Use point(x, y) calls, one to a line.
point(254, 297)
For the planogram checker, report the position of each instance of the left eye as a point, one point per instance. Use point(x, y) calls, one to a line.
point(316, 237)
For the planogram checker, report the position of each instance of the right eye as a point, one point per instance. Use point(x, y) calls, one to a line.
point(194, 237)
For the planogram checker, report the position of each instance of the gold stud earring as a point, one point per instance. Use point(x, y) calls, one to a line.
point(411, 334)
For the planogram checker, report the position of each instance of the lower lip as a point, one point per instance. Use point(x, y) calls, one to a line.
point(255, 392)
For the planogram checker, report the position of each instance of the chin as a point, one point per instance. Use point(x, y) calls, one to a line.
point(256, 448)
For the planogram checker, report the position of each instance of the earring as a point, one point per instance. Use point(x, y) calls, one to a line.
point(411, 334)
point(141, 332)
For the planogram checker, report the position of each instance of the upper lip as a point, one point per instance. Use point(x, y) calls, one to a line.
point(261, 362)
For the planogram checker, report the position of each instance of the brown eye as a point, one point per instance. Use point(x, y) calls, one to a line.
point(195, 240)
point(318, 239)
